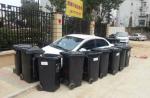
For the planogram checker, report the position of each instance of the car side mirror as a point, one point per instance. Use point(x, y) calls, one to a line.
point(82, 49)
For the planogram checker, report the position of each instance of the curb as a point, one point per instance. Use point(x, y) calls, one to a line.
point(21, 91)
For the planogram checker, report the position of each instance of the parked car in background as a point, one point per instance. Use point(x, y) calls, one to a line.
point(138, 37)
point(76, 42)
point(122, 36)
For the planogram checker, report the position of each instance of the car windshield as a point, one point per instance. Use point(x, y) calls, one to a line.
point(67, 43)
point(122, 34)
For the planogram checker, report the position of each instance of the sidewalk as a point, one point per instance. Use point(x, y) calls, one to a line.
point(132, 82)
point(11, 84)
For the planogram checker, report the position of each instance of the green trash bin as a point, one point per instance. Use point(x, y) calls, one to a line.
point(30, 64)
point(91, 66)
point(123, 52)
point(128, 54)
point(114, 60)
point(18, 62)
point(104, 61)
point(72, 68)
point(49, 72)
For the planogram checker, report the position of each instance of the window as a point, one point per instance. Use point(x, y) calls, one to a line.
point(89, 45)
point(101, 43)
point(141, 22)
point(135, 35)
point(67, 43)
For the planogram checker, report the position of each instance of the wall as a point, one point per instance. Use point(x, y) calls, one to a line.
point(126, 9)
point(112, 30)
point(7, 58)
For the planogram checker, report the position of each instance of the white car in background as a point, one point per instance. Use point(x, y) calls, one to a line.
point(76, 42)
point(123, 37)
point(138, 37)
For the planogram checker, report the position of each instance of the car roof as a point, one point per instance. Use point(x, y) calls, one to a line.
point(84, 36)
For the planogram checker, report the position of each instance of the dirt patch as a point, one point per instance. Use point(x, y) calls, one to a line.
point(141, 49)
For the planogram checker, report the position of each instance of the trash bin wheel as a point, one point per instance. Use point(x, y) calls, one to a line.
point(40, 87)
point(101, 75)
point(21, 77)
point(90, 81)
point(66, 82)
point(71, 86)
point(14, 70)
point(121, 68)
point(114, 72)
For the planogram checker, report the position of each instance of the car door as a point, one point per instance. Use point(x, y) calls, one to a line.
point(101, 43)
point(89, 45)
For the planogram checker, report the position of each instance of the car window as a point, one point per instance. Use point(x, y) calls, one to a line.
point(89, 45)
point(67, 43)
point(135, 34)
point(101, 43)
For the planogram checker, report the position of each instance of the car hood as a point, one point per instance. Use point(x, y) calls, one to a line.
point(51, 50)
point(122, 37)
point(143, 36)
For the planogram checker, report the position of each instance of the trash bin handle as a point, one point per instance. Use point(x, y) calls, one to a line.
point(33, 69)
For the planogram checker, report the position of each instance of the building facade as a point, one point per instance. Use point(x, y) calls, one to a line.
point(134, 13)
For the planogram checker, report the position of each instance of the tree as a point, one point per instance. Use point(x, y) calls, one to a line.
point(58, 4)
point(89, 7)
point(29, 11)
point(102, 8)
point(105, 8)
point(130, 21)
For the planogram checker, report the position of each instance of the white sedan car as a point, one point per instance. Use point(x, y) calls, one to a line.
point(138, 37)
point(76, 42)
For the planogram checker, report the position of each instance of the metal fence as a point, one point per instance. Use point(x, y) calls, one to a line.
point(18, 27)
point(100, 29)
point(72, 25)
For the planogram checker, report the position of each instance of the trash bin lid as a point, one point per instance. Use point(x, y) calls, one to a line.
point(33, 50)
point(88, 53)
point(72, 53)
point(20, 46)
point(128, 47)
point(113, 40)
point(123, 46)
point(51, 56)
point(101, 49)
point(115, 49)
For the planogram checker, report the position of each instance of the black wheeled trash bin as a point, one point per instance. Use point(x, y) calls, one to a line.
point(104, 61)
point(122, 55)
point(91, 66)
point(114, 60)
point(113, 40)
point(128, 54)
point(30, 64)
point(18, 62)
point(49, 72)
point(72, 70)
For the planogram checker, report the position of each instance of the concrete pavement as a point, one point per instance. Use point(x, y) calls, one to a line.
point(132, 82)
point(10, 83)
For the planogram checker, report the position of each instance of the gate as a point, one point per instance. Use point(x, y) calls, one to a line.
point(72, 25)
point(19, 27)
point(100, 29)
